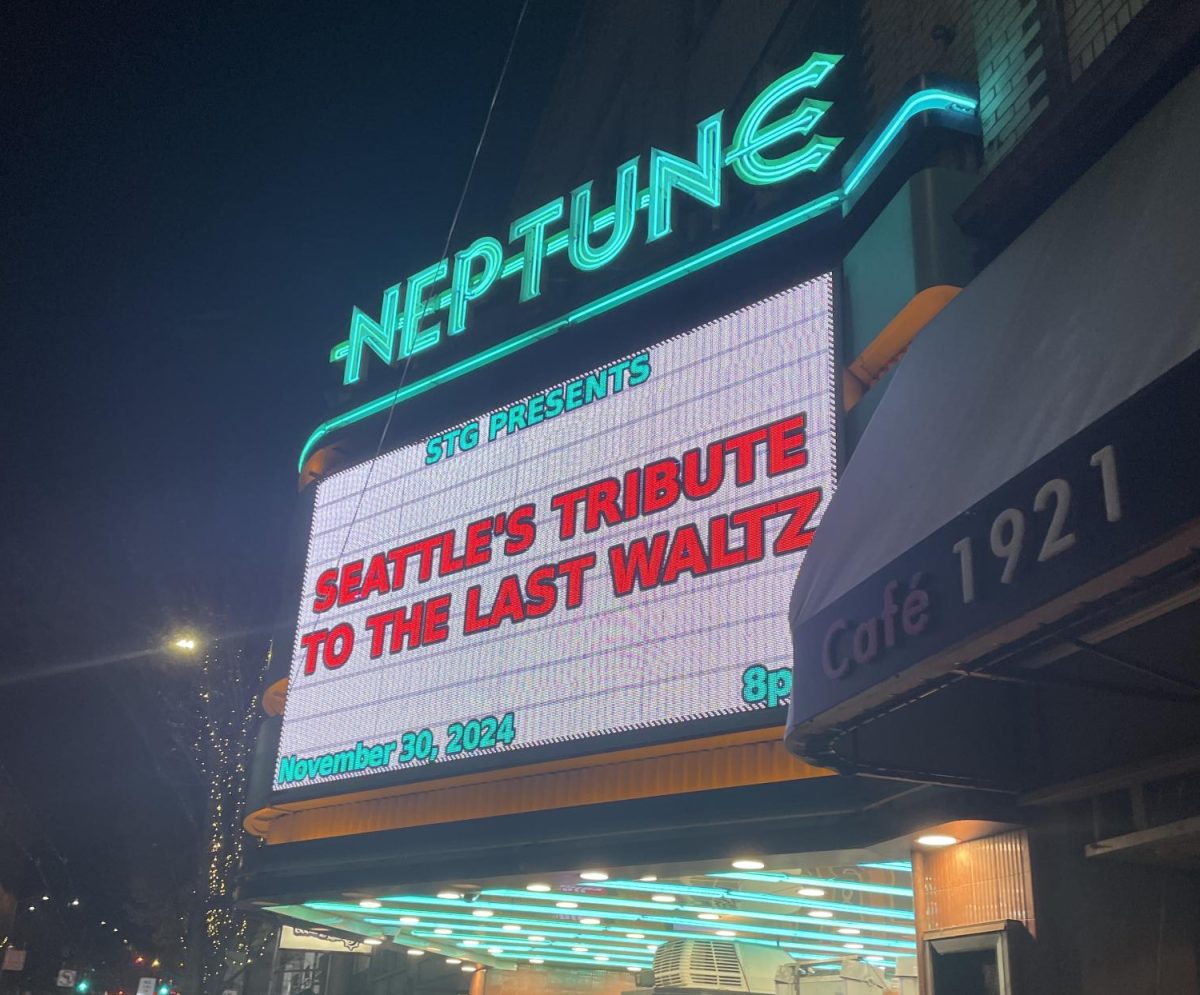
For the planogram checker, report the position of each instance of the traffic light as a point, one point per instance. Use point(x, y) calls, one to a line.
point(164, 990)
point(83, 986)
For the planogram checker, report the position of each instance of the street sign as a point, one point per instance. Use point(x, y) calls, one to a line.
point(66, 978)
point(14, 960)
point(146, 986)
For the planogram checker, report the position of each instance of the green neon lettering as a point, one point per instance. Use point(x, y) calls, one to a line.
point(701, 179)
point(378, 336)
point(415, 338)
point(752, 135)
point(465, 286)
point(579, 250)
point(532, 228)
point(375, 335)
point(768, 229)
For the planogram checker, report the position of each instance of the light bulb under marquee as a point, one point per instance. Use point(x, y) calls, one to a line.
point(936, 840)
point(749, 865)
point(593, 875)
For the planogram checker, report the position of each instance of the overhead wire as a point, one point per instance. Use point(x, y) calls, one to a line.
point(391, 410)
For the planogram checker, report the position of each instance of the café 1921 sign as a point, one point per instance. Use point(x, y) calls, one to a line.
point(1118, 488)
point(774, 140)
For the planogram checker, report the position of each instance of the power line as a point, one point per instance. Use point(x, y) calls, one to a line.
point(445, 250)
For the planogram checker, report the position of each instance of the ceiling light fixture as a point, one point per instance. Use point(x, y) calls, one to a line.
point(453, 960)
point(821, 914)
point(594, 876)
point(469, 968)
point(852, 946)
point(579, 950)
point(450, 894)
point(590, 921)
point(662, 898)
point(409, 920)
point(414, 952)
point(483, 913)
point(538, 886)
point(709, 916)
point(511, 928)
point(747, 864)
point(648, 877)
point(536, 960)
point(811, 892)
point(566, 905)
point(635, 936)
point(370, 903)
point(849, 931)
point(726, 932)
point(372, 941)
point(444, 931)
point(936, 839)
point(495, 950)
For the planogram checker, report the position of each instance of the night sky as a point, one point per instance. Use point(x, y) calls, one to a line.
point(193, 197)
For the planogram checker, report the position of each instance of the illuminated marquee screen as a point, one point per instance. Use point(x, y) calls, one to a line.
point(592, 566)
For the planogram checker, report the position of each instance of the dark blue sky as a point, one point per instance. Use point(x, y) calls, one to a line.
point(193, 196)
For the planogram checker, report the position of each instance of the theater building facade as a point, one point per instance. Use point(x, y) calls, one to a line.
point(759, 556)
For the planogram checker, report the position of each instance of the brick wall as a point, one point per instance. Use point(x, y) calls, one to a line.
point(1090, 25)
point(902, 39)
point(1012, 72)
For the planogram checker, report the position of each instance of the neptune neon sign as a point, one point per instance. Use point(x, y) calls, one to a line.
point(766, 147)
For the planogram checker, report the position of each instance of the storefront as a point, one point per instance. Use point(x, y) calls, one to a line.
point(1023, 619)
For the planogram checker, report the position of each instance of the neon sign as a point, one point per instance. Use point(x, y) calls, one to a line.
point(410, 319)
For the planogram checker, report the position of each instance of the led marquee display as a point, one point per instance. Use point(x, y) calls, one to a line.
point(597, 564)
